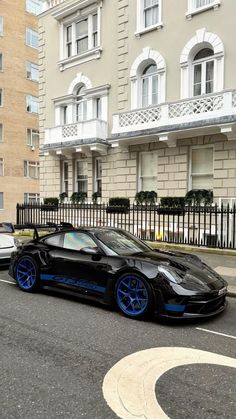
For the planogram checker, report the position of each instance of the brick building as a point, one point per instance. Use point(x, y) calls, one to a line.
point(19, 134)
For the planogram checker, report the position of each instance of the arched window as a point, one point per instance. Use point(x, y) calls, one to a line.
point(203, 72)
point(81, 104)
point(149, 85)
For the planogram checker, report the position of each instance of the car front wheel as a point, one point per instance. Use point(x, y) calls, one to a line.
point(26, 274)
point(133, 296)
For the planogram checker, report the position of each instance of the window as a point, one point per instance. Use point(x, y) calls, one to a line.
point(76, 241)
point(34, 6)
point(201, 170)
point(65, 177)
point(1, 200)
point(149, 86)
point(1, 25)
point(32, 104)
point(31, 198)
point(148, 172)
point(64, 114)
point(32, 38)
point(150, 12)
point(81, 36)
point(32, 71)
point(1, 62)
point(56, 240)
point(98, 108)
point(32, 137)
point(1, 167)
point(82, 175)
point(81, 105)
point(1, 133)
point(203, 72)
point(148, 15)
point(31, 169)
point(98, 176)
point(198, 6)
point(1, 97)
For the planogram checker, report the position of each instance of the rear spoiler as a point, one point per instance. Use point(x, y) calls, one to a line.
point(10, 228)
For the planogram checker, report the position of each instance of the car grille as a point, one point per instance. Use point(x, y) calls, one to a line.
point(205, 307)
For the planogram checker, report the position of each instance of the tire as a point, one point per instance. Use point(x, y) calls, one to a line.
point(133, 296)
point(27, 274)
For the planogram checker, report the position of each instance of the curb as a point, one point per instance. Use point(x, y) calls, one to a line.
point(189, 248)
point(231, 292)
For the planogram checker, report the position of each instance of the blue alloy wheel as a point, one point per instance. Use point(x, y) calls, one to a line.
point(26, 274)
point(133, 295)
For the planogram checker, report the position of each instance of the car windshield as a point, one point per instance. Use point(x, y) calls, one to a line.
point(122, 242)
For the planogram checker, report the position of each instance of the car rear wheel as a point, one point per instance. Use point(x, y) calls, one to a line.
point(133, 296)
point(26, 274)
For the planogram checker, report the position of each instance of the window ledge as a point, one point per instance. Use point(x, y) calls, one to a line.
point(215, 5)
point(92, 54)
point(156, 27)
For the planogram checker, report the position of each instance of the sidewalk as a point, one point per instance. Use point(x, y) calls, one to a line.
point(222, 260)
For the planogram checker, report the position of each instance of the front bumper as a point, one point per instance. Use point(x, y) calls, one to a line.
point(193, 306)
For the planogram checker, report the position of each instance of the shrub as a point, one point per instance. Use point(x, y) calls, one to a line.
point(62, 197)
point(198, 196)
point(78, 197)
point(95, 197)
point(146, 197)
point(119, 202)
point(172, 202)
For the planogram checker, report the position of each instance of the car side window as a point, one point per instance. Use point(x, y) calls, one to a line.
point(76, 241)
point(56, 240)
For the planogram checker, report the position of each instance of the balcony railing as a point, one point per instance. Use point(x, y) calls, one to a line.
point(169, 114)
point(84, 130)
point(52, 3)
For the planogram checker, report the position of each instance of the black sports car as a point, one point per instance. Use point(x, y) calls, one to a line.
point(114, 267)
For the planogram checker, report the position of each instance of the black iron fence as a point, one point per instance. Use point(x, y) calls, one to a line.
point(211, 226)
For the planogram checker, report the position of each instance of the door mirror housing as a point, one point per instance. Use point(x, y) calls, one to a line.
point(90, 251)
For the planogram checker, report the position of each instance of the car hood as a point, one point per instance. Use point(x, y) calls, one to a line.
point(6, 241)
point(197, 275)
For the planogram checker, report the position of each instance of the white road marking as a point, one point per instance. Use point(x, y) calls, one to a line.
point(8, 282)
point(129, 386)
point(216, 333)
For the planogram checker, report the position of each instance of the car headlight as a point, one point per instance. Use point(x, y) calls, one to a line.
point(170, 274)
point(16, 242)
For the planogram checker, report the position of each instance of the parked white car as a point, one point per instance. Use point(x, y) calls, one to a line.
point(8, 244)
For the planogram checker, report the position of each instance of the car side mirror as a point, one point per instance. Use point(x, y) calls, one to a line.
point(90, 251)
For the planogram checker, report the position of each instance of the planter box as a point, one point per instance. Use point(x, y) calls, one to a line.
point(117, 210)
point(49, 207)
point(171, 211)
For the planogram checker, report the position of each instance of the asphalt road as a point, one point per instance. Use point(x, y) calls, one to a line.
point(55, 352)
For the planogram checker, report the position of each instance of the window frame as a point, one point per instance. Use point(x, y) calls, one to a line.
point(150, 78)
point(29, 66)
point(140, 25)
point(1, 97)
point(31, 164)
point(82, 180)
point(1, 26)
point(1, 62)
point(203, 63)
point(30, 35)
point(78, 233)
point(29, 101)
point(32, 142)
point(1, 166)
point(2, 200)
point(190, 177)
point(140, 177)
point(1, 133)
point(94, 48)
point(64, 180)
point(193, 9)
point(30, 9)
point(96, 178)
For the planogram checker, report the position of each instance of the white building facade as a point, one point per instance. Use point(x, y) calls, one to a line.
point(137, 95)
